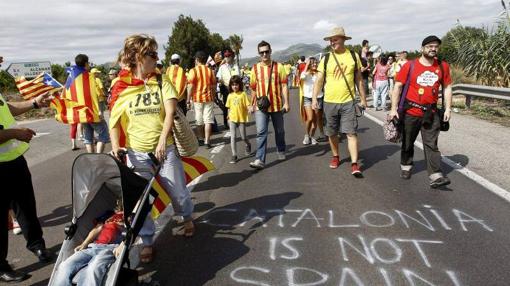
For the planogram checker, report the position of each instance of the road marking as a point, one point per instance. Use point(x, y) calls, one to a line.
point(502, 193)
point(40, 134)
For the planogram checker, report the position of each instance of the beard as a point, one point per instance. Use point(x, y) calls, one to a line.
point(430, 55)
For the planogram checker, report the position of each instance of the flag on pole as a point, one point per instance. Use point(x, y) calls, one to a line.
point(79, 101)
point(41, 84)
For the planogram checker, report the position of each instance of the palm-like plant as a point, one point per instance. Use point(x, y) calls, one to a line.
point(236, 43)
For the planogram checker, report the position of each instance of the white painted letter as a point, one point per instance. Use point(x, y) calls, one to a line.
point(295, 253)
point(440, 219)
point(398, 251)
point(311, 216)
point(409, 276)
point(347, 271)
point(253, 214)
point(290, 277)
point(461, 216)
point(247, 281)
point(207, 221)
point(454, 278)
point(332, 224)
point(426, 224)
point(366, 254)
point(386, 277)
point(364, 219)
point(416, 243)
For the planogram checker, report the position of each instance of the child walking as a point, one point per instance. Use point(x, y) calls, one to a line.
point(237, 103)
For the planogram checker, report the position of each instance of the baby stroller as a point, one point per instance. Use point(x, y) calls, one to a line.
point(97, 181)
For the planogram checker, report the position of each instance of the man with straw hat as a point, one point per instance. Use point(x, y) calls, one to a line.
point(338, 73)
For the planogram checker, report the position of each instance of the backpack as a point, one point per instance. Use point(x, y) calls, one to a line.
point(326, 59)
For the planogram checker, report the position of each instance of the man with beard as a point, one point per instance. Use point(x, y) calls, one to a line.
point(425, 76)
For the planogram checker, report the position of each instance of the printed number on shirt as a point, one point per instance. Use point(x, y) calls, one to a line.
point(427, 78)
point(146, 99)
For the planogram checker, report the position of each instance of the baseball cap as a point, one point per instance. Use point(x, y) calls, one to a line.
point(175, 57)
point(429, 40)
point(95, 70)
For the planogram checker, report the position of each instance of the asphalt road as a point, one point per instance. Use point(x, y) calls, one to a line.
point(297, 222)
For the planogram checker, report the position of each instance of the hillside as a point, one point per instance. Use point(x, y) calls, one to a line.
point(287, 54)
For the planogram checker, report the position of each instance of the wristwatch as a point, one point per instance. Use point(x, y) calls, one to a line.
point(35, 105)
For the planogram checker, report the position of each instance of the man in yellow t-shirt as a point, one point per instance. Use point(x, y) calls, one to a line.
point(342, 73)
point(100, 90)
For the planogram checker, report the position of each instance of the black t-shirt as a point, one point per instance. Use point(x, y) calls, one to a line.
point(366, 73)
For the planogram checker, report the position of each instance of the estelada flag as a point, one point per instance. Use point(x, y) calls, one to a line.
point(41, 84)
point(122, 91)
point(78, 103)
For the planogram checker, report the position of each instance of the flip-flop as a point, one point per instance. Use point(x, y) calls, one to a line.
point(189, 231)
point(146, 255)
point(75, 148)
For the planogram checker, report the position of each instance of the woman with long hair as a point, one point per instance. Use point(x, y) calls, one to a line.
point(143, 113)
point(312, 118)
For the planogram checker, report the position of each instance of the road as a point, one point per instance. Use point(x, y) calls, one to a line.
point(297, 222)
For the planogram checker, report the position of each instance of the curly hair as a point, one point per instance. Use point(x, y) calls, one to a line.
point(135, 47)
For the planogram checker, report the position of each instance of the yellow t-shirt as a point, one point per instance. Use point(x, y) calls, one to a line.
point(140, 109)
point(335, 90)
point(237, 103)
point(100, 90)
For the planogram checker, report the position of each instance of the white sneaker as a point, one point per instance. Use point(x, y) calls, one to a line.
point(16, 229)
point(281, 156)
point(314, 141)
point(257, 164)
point(306, 140)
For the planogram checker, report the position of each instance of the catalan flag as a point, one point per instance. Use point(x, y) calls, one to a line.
point(79, 101)
point(177, 77)
point(41, 84)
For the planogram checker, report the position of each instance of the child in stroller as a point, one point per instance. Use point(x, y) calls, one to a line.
point(96, 253)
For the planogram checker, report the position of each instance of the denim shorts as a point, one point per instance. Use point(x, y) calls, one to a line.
point(307, 102)
point(101, 128)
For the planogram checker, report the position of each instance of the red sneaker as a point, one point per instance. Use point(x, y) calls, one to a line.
point(356, 171)
point(335, 162)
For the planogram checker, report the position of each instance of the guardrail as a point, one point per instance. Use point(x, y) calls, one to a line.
point(471, 90)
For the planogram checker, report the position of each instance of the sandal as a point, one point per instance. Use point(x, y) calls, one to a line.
point(189, 229)
point(146, 255)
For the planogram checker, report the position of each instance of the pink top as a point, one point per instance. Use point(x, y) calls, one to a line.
point(381, 72)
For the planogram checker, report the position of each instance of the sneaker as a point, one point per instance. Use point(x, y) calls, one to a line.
point(10, 276)
point(257, 164)
point(355, 171)
point(335, 162)
point(440, 182)
point(200, 142)
point(281, 156)
point(208, 145)
point(233, 160)
point(306, 140)
point(16, 229)
point(314, 141)
point(247, 150)
point(406, 175)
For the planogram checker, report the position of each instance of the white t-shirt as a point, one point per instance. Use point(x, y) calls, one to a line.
point(308, 83)
point(226, 71)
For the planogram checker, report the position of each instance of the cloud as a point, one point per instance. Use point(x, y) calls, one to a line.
point(57, 30)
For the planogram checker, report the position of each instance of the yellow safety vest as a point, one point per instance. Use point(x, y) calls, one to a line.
point(13, 148)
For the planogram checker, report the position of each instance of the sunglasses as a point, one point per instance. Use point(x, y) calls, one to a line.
point(152, 54)
point(264, 52)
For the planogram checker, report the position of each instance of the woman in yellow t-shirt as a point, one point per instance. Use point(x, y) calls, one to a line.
point(143, 114)
point(238, 103)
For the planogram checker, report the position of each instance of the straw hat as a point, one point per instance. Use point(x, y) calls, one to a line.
point(336, 31)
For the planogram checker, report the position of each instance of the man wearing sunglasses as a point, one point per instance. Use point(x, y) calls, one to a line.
point(274, 87)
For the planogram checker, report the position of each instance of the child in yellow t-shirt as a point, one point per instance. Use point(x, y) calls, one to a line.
point(238, 104)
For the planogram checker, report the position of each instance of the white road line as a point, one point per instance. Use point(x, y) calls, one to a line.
point(40, 134)
point(504, 194)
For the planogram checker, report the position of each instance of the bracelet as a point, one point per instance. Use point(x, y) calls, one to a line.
point(35, 105)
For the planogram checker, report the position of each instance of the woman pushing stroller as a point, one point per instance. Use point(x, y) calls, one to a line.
point(142, 114)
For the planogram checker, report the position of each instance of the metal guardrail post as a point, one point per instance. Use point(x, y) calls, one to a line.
point(468, 101)
point(471, 90)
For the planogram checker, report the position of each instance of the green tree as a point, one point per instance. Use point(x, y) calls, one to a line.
point(7, 84)
point(236, 43)
point(58, 72)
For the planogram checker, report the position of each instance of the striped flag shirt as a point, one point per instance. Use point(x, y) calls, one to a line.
point(260, 79)
point(37, 86)
point(204, 83)
point(177, 77)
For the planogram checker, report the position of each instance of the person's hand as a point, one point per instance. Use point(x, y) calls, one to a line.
point(188, 105)
point(118, 250)
point(251, 109)
point(447, 115)
point(286, 108)
point(44, 99)
point(160, 152)
point(393, 114)
point(315, 104)
point(79, 248)
point(24, 134)
point(118, 153)
point(364, 103)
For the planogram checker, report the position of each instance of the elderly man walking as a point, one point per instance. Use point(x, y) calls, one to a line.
point(341, 71)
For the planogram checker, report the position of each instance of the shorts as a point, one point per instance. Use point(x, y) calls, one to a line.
point(340, 117)
point(307, 102)
point(204, 113)
point(101, 128)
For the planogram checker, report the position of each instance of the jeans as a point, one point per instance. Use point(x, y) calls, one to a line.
point(380, 93)
point(100, 127)
point(173, 181)
point(233, 135)
point(96, 259)
point(262, 122)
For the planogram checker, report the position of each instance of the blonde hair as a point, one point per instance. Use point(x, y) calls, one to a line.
point(135, 47)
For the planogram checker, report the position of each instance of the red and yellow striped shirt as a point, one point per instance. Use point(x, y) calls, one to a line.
point(177, 77)
point(204, 83)
point(260, 80)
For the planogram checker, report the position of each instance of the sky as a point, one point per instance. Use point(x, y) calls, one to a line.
point(51, 30)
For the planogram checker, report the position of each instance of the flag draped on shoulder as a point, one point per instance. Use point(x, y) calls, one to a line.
point(41, 84)
point(78, 103)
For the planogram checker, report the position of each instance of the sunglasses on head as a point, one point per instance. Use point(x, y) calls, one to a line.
point(152, 54)
point(264, 52)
